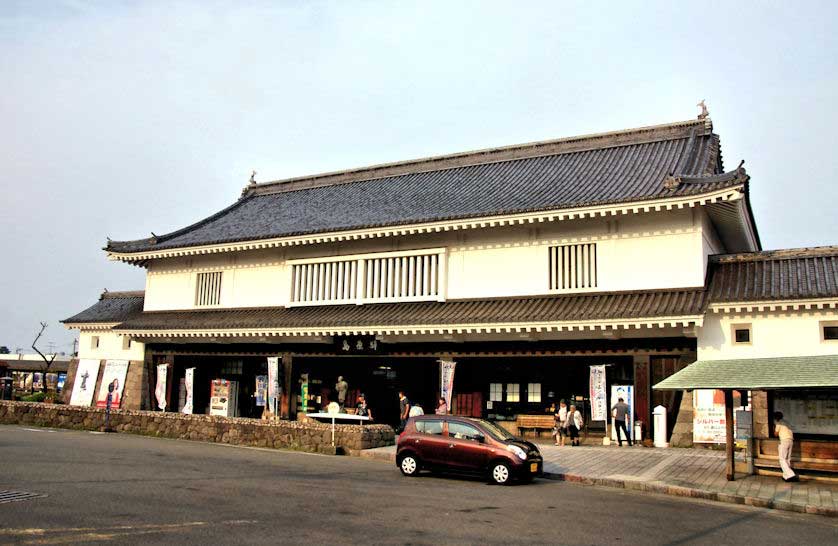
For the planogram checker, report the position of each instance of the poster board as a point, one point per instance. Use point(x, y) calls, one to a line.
point(626, 392)
point(709, 424)
point(85, 382)
point(115, 372)
point(809, 413)
point(597, 394)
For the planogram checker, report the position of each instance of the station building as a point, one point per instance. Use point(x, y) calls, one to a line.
point(525, 265)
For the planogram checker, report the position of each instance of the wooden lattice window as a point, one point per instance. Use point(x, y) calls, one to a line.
point(208, 289)
point(573, 267)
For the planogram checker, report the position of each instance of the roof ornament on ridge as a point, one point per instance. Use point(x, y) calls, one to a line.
point(704, 114)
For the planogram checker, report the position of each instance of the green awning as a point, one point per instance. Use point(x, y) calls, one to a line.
point(791, 372)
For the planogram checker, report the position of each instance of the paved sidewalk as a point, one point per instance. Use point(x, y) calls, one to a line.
point(694, 473)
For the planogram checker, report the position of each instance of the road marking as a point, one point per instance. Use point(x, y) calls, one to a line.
point(38, 430)
point(86, 534)
point(16, 496)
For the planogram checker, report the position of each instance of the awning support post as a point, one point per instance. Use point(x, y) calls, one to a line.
point(730, 468)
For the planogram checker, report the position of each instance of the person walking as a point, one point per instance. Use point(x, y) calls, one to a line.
point(786, 435)
point(575, 423)
point(404, 409)
point(561, 423)
point(619, 411)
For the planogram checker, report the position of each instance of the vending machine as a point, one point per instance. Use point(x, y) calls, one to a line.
point(224, 396)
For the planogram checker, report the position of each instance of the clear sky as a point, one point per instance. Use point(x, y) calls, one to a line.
point(122, 118)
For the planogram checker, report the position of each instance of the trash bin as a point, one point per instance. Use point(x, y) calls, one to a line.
point(638, 432)
point(660, 426)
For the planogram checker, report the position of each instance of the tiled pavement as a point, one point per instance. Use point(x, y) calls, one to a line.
point(682, 472)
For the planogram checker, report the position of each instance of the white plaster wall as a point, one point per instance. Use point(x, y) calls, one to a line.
point(110, 346)
point(789, 333)
point(637, 252)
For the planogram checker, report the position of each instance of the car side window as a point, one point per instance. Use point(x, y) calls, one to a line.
point(462, 431)
point(429, 427)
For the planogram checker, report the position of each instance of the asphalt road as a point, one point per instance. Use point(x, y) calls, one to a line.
point(137, 490)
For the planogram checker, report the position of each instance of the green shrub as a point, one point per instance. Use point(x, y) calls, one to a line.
point(36, 397)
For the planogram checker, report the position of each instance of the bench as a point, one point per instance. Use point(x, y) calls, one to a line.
point(814, 455)
point(536, 423)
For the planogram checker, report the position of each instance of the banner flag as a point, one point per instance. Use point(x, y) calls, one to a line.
point(446, 380)
point(273, 383)
point(160, 391)
point(261, 390)
point(189, 383)
point(85, 382)
point(597, 394)
point(115, 372)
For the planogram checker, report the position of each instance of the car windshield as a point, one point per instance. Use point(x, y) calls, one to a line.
point(495, 431)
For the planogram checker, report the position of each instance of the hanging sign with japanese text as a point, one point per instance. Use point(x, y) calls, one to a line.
point(599, 401)
point(160, 390)
point(446, 380)
point(189, 385)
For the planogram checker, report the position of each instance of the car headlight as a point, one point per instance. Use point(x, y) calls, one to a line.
point(518, 451)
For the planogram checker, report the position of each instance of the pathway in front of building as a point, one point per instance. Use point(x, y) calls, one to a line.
point(695, 473)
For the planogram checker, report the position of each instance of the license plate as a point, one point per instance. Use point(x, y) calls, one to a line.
point(533, 467)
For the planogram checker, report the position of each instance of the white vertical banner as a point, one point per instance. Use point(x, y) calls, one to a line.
point(446, 380)
point(189, 383)
point(160, 390)
point(273, 383)
point(597, 394)
point(85, 382)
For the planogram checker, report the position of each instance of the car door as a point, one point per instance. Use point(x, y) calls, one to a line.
point(429, 441)
point(465, 450)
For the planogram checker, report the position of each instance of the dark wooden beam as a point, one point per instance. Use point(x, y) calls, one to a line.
point(730, 472)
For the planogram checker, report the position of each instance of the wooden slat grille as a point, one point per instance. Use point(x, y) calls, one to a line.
point(208, 289)
point(573, 267)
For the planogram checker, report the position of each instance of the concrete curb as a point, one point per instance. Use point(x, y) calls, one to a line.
point(660, 488)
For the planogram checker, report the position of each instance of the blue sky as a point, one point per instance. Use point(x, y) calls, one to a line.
point(123, 118)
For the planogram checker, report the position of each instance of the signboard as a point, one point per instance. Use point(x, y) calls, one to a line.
point(38, 381)
point(261, 390)
point(626, 392)
point(446, 380)
point(189, 387)
point(160, 390)
point(809, 413)
point(114, 374)
point(709, 417)
point(304, 392)
point(85, 382)
point(597, 394)
point(357, 344)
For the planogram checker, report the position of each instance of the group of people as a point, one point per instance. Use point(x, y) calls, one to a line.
point(568, 424)
point(406, 410)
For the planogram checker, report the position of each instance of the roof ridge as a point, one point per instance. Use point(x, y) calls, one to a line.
point(623, 137)
point(122, 294)
point(779, 254)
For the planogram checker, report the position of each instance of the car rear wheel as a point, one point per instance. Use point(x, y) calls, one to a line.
point(409, 465)
point(501, 474)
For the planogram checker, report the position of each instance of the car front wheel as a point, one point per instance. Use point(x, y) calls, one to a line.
point(501, 474)
point(409, 465)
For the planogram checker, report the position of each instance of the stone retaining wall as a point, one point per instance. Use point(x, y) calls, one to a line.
point(304, 436)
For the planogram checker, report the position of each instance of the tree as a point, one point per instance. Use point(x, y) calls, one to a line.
point(4, 350)
point(47, 362)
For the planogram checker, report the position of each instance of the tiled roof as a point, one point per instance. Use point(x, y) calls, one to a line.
point(576, 308)
point(756, 373)
point(805, 273)
point(111, 307)
point(34, 365)
point(625, 166)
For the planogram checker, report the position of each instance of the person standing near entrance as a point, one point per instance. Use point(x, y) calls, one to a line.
point(619, 411)
point(561, 423)
point(786, 436)
point(361, 407)
point(574, 424)
point(441, 407)
point(404, 409)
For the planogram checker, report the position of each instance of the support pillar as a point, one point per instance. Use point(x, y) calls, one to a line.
point(285, 401)
point(730, 472)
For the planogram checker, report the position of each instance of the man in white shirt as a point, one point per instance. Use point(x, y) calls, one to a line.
point(784, 432)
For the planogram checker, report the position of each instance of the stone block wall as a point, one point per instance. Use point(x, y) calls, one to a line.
point(304, 436)
point(682, 433)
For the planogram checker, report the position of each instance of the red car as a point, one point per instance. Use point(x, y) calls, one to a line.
point(467, 445)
